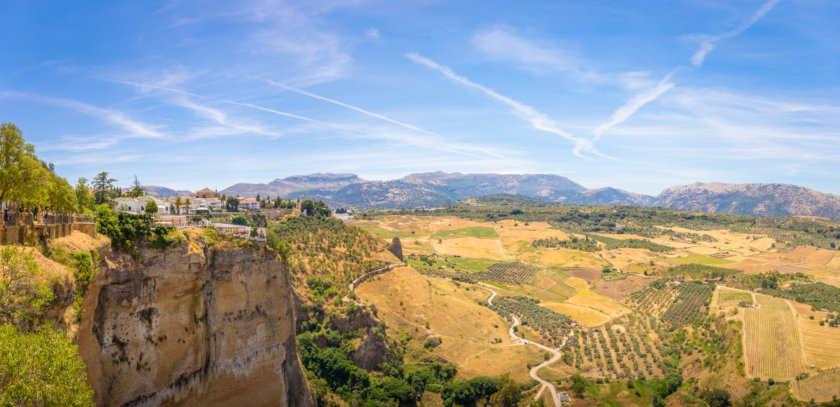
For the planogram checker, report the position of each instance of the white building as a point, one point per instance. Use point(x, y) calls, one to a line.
point(138, 205)
point(249, 204)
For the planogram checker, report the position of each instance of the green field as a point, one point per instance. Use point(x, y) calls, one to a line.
point(388, 234)
point(481, 232)
point(699, 259)
point(470, 263)
point(734, 296)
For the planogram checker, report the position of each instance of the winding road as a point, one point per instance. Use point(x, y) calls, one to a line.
point(521, 341)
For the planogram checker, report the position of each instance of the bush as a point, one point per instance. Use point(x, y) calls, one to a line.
point(23, 292)
point(41, 368)
point(125, 230)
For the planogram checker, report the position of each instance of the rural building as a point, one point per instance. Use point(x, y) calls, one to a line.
point(138, 205)
point(564, 397)
point(249, 204)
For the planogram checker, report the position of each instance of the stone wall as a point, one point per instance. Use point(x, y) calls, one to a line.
point(32, 234)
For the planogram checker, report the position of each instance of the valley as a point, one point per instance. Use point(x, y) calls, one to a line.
point(639, 305)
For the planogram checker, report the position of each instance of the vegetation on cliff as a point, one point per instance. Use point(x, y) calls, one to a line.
point(38, 365)
point(41, 368)
point(325, 247)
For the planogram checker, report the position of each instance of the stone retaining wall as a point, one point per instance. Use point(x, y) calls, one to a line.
point(32, 234)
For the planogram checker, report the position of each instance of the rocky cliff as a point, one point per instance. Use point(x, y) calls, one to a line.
point(204, 322)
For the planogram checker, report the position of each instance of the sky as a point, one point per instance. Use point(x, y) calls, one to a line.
point(638, 95)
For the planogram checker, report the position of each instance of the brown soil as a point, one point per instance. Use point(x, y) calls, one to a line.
point(586, 274)
point(619, 289)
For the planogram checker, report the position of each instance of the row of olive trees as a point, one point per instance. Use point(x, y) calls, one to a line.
point(27, 182)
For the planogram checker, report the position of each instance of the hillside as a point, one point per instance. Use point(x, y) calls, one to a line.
point(439, 188)
point(164, 192)
point(610, 196)
point(751, 199)
point(296, 183)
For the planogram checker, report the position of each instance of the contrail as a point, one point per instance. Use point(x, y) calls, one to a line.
point(637, 102)
point(710, 42)
point(437, 143)
point(538, 120)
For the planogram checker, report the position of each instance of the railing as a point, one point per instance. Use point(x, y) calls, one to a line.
point(28, 219)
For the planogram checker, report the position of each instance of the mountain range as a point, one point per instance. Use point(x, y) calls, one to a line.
point(440, 188)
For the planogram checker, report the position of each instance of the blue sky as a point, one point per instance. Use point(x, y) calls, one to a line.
point(635, 95)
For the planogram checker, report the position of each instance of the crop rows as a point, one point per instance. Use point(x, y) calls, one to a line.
point(620, 351)
point(502, 273)
point(509, 273)
point(653, 300)
point(551, 326)
point(773, 348)
point(691, 303)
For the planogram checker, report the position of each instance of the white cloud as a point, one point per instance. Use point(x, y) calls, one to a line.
point(709, 42)
point(500, 43)
point(538, 120)
point(318, 56)
point(372, 34)
point(132, 127)
point(226, 126)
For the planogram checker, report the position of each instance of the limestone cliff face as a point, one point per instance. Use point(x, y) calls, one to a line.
point(197, 324)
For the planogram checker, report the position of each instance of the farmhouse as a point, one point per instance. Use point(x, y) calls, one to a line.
point(564, 397)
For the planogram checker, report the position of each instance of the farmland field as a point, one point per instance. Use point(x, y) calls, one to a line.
point(727, 298)
point(772, 348)
point(820, 387)
point(481, 232)
point(820, 343)
point(639, 309)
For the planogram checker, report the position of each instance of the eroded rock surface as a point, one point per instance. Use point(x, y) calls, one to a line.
point(196, 324)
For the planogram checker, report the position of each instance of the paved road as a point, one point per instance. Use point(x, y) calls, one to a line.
point(521, 341)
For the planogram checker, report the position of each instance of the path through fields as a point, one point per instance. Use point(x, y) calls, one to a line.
point(556, 355)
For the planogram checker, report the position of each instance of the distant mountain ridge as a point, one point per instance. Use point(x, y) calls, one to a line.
point(440, 188)
point(164, 192)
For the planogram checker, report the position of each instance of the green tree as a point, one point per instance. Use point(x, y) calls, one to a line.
point(41, 368)
point(232, 204)
point(137, 190)
point(151, 207)
point(307, 206)
point(84, 201)
point(578, 384)
point(60, 195)
point(509, 393)
point(103, 187)
point(22, 177)
point(24, 293)
point(178, 204)
point(716, 398)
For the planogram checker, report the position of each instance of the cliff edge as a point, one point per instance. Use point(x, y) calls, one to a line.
point(206, 321)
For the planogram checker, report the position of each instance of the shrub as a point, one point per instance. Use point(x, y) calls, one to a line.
point(23, 292)
point(41, 368)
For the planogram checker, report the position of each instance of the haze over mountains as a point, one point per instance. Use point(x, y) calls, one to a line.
point(439, 188)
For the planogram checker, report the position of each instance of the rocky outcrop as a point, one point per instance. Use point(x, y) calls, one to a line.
point(396, 248)
point(371, 352)
point(196, 324)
